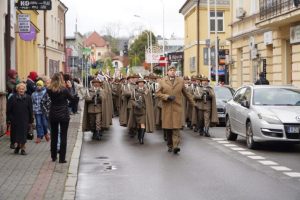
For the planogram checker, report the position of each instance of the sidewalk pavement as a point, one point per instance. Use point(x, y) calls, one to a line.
point(35, 176)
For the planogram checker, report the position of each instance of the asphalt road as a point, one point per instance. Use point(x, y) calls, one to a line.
point(118, 167)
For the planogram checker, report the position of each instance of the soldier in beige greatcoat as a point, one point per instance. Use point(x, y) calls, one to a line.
point(171, 90)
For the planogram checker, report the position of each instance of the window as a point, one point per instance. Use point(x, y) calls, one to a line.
point(239, 94)
point(192, 64)
point(220, 21)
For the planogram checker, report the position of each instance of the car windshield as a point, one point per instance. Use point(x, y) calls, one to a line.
point(276, 96)
point(223, 93)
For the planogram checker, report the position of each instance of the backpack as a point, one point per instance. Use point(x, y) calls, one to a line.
point(45, 104)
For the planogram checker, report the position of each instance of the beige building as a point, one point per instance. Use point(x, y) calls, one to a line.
point(100, 48)
point(197, 24)
point(3, 13)
point(265, 38)
point(51, 39)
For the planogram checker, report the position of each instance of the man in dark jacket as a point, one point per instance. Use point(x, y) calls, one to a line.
point(262, 79)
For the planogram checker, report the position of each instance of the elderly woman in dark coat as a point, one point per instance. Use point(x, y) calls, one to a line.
point(20, 117)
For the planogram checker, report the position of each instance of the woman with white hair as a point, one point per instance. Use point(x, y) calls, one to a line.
point(20, 117)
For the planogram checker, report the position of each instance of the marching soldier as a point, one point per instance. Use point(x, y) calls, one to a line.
point(198, 117)
point(171, 90)
point(142, 113)
point(207, 104)
point(126, 104)
point(116, 92)
point(96, 117)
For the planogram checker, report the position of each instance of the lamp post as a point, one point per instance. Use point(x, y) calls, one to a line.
point(149, 34)
point(216, 45)
point(208, 37)
point(163, 9)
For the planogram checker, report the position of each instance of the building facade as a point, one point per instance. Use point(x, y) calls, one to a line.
point(3, 13)
point(27, 47)
point(200, 33)
point(74, 54)
point(265, 38)
point(51, 39)
point(100, 48)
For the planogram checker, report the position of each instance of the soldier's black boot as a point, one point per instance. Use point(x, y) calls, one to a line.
point(201, 131)
point(165, 135)
point(94, 137)
point(206, 132)
point(98, 135)
point(196, 129)
point(139, 134)
point(142, 135)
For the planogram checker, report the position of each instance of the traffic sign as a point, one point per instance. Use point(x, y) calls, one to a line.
point(33, 5)
point(24, 23)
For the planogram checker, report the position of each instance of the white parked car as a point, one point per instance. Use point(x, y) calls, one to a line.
point(264, 113)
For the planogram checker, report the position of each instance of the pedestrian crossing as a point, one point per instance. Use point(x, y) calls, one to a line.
point(260, 159)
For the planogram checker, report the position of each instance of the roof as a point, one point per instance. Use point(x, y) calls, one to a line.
point(95, 39)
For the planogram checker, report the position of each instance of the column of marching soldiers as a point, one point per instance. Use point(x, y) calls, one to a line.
point(135, 101)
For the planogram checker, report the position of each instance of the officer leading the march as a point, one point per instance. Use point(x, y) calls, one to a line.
point(171, 90)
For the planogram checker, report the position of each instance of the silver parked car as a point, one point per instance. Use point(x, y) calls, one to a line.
point(264, 113)
point(223, 95)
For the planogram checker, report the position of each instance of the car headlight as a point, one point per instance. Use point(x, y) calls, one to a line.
point(271, 119)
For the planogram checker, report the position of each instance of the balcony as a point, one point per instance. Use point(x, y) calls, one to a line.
point(276, 12)
point(273, 8)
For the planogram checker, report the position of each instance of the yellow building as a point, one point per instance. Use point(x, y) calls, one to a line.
point(265, 38)
point(27, 51)
point(196, 16)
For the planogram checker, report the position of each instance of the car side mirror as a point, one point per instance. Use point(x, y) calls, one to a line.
point(245, 103)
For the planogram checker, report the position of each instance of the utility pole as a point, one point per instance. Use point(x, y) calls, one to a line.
point(208, 37)
point(198, 36)
point(216, 45)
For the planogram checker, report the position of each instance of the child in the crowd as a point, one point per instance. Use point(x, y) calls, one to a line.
point(40, 118)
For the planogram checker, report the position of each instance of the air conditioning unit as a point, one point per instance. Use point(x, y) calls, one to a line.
point(240, 13)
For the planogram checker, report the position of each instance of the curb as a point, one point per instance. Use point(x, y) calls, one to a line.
point(72, 177)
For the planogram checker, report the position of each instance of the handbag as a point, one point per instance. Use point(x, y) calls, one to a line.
point(30, 135)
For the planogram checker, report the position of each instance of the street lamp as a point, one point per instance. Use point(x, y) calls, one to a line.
point(163, 7)
point(149, 35)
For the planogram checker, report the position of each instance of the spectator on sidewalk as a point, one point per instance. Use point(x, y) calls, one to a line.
point(19, 116)
point(30, 82)
point(59, 115)
point(40, 118)
point(12, 81)
point(262, 79)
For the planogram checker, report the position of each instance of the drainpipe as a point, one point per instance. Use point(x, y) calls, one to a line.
point(198, 36)
point(8, 38)
point(65, 49)
point(45, 42)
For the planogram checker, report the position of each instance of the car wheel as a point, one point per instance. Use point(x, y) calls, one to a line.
point(229, 134)
point(251, 144)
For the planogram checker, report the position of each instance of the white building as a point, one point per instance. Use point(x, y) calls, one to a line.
point(52, 39)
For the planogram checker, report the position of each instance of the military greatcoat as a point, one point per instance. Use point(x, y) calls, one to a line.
point(172, 112)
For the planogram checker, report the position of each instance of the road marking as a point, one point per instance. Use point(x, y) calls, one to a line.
point(218, 139)
point(256, 157)
point(281, 168)
point(237, 149)
point(268, 162)
point(293, 174)
point(223, 142)
point(229, 145)
point(246, 153)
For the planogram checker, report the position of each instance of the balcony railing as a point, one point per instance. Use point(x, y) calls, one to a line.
point(273, 8)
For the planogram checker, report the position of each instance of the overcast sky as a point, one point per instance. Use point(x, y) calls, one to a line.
point(96, 14)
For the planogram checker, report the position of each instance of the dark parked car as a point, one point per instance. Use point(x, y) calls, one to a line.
point(223, 95)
